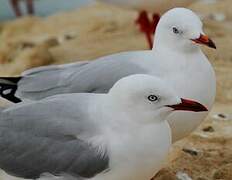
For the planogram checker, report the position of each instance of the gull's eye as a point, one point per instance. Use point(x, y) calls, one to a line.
point(175, 30)
point(152, 98)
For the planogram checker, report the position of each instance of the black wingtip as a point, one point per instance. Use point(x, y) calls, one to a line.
point(8, 88)
point(13, 80)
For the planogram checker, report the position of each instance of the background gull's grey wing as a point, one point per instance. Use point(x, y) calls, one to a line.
point(44, 137)
point(94, 76)
point(46, 77)
point(53, 67)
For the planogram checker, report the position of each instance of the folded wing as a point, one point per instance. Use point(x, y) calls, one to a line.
point(95, 76)
point(43, 137)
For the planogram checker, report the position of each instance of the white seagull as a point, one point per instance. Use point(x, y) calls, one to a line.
point(176, 57)
point(120, 135)
point(153, 6)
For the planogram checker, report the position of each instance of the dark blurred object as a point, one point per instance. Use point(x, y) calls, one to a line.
point(147, 26)
point(16, 7)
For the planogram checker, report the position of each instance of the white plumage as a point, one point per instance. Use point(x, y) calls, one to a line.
point(176, 57)
point(121, 135)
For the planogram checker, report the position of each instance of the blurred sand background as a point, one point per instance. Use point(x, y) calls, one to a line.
point(100, 29)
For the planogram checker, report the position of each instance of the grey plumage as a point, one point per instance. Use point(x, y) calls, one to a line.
point(33, 142)
point(96, 76)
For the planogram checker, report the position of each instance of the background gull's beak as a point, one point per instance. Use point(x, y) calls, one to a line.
point(205, 40)
point(188, 105)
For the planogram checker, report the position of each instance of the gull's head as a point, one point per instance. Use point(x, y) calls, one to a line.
point(181, 29)
point(148, 98)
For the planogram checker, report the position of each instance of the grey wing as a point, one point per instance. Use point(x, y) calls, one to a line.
point(37, 138)
point(44, 79)
point(95, 76)
point(41, 79)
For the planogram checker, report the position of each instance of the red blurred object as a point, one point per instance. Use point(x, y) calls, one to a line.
point(16, 7)
point(148, 26)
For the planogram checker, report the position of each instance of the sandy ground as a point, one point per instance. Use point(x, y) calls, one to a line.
point(33, 41)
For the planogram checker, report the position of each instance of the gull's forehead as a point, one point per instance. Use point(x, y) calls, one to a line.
point(145, 84)
point(159, 89)
point(182, 17)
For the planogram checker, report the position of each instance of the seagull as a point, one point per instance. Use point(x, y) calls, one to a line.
point(176, 57)
point(147, 26)
point(88, 136)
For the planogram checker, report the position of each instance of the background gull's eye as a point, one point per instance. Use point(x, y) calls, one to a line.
point(175, 30)
point(152, 98)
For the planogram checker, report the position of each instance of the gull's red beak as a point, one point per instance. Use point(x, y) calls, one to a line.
point(205, 40)
point(188, 105)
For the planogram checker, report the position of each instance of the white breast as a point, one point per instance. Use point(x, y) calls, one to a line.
point(139, 153)
point(199, 83)
point(192, 76)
